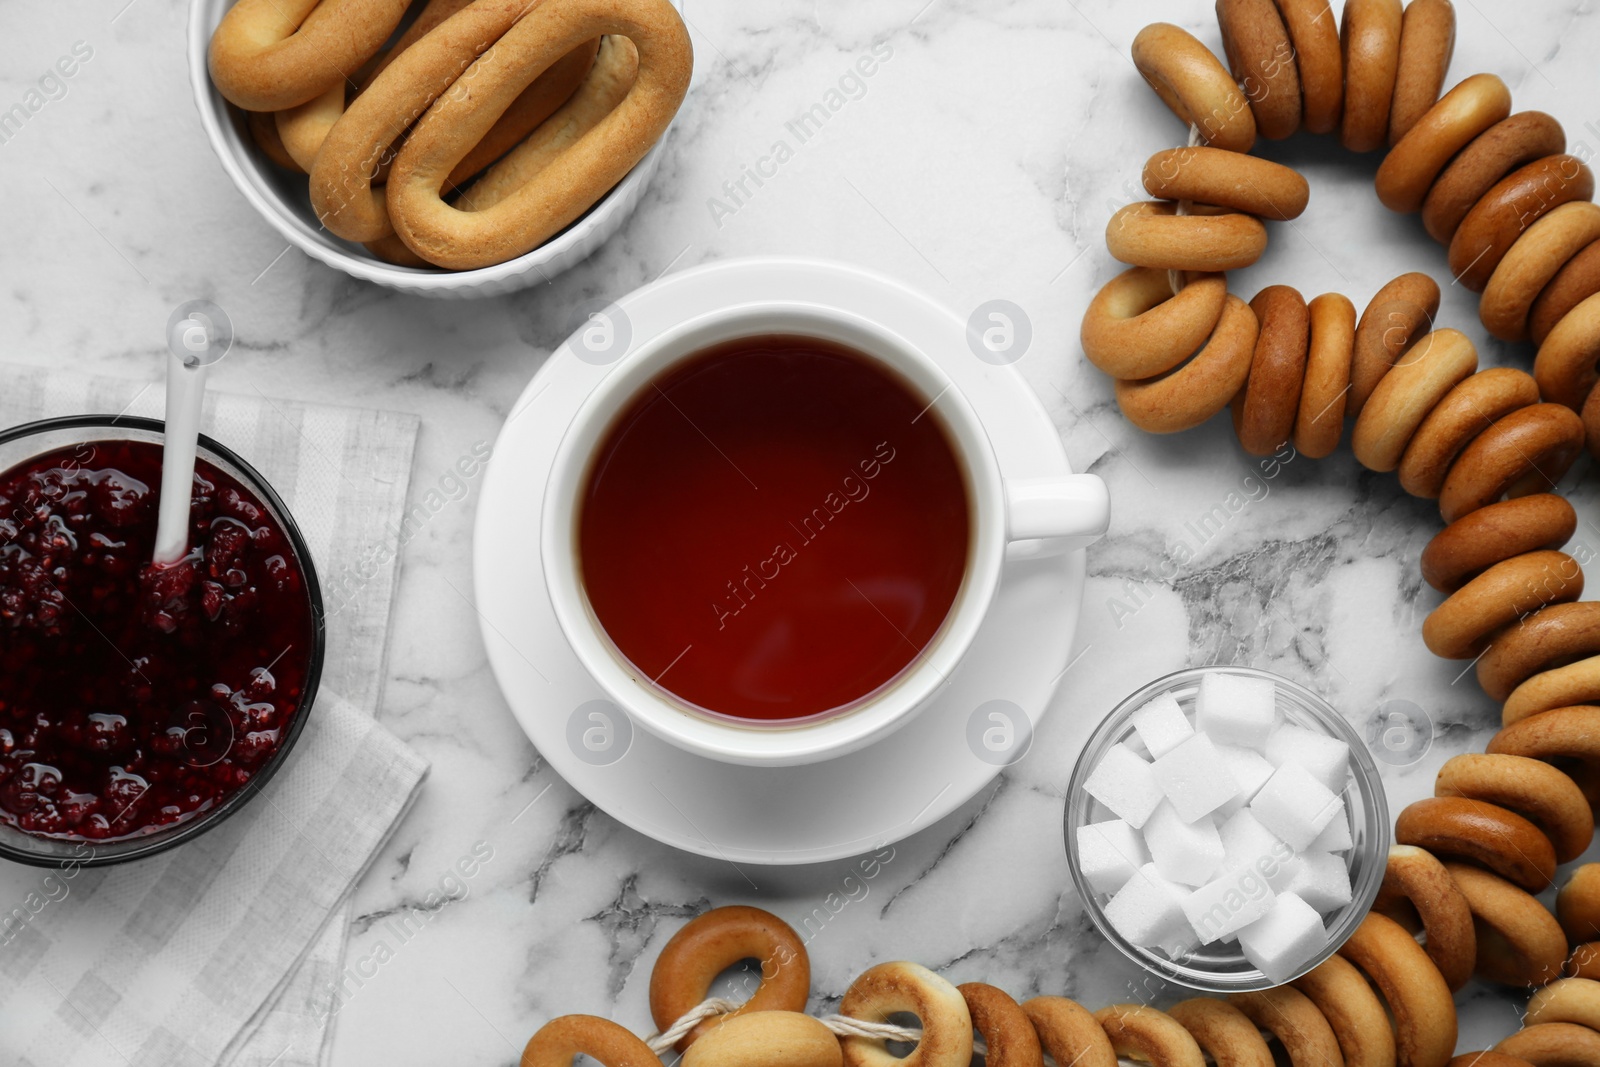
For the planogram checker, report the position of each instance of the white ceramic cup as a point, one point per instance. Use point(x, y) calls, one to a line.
point(1008, 518)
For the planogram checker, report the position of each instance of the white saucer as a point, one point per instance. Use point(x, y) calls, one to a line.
point(783, 815)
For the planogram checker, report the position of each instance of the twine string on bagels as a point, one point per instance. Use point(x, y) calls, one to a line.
point(842, 1025)
point(1175, 277)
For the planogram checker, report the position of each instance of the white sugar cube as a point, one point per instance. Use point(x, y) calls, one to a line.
point(1149, 909)
point(1194, 778)
point(1285, 939)
point(1161, 725)
point(1335, 837)
point(1235, 710)
point(1187, 852)
point(1327, 758)
point(1295, 806)
point(1222, 907)
point(1126, 784)
point(1247, 845)
point(1109, 853)
point(1250, 769)
point(1322, 880)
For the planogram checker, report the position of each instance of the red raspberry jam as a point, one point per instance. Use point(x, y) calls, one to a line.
point(134, 697)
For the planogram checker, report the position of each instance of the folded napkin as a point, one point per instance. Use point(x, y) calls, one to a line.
point(226, 949)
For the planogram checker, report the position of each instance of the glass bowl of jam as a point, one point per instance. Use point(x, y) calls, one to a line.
point(141, 705)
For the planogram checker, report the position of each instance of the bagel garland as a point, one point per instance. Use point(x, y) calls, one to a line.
point(1512, 208)
point(548, 106)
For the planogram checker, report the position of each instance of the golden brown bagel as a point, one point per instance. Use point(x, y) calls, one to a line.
point(1519, 942)
point(1480, 539)
point(1536, 791)
point(1417, 996)
point(1416, 883)
point(715, 941)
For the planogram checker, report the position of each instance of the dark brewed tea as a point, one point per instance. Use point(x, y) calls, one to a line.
point(774, 529)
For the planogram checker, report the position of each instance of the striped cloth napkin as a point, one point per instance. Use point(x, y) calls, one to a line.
point(225, 951)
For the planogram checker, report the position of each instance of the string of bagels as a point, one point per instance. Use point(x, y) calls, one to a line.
point(1458, 898)
point(487, 128)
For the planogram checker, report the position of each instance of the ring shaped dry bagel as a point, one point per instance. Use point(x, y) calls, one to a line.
point(1415, 880)
point(1008, 1036)
point(1069, 1032)
point(1189, 395)
point(1565, 365)
point(1408, 171)
point(1223, 1032)
point(1520, 199)
point(1488, 1059)
point(1477, 541)
point(1584, 961)
point(1153, 1036)
point(1150, 233)
point(1195, 86)
point(1427, 42)
point(1565, 733)
point(561, 1039)
point(1262, 60)
point(1536, 791)
point(1369, 35)
point(1484, 833)
point(302, 129)
point(538, 102)
point(1554, 637)
point(1578, 904)
point(342, 193)
point(1560, 687)
point(900, 987)
point(1468, 620)
point(766, 1039)
point(1291, 1017)
point(710, 944)
point(1314, 35)
point(1399, 314)
point(1509, 144)
point(1519, 941)
point(1136, 328)
point(269, 55)
point(1264, 411)
point(577, 177)
point(1353, 1010)
point(1405, 396)
point(1568, 1000)
point(1533, 446)
point(1417, 996)
point(1319, 422)
point(1554, 1045)
point(1466, 411)
point(1227, 179)
point(1532, 263)
point(608, 82)
point(1574, 283)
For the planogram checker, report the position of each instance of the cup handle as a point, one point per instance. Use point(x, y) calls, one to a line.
point(1056, 514)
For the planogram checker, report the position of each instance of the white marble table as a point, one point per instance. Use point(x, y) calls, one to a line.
point(980, 160)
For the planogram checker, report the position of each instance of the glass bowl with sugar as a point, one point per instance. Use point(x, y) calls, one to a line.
point(1226, 829)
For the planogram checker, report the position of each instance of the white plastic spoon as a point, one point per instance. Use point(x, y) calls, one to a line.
point(198, 335)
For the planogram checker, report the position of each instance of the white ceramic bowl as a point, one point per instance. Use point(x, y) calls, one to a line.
point(281, 198)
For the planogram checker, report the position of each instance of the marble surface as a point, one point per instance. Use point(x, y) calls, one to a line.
point(980, 160)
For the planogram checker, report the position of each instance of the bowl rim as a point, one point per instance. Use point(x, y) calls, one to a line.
point(1368, 783)
point(160, 841)
point(215, 113)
